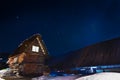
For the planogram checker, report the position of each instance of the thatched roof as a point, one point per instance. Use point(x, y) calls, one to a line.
point(104, 53)
point(26, 43)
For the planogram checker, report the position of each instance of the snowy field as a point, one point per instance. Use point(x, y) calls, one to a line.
point(57, 78)
point(102, 76)
point(98, 76)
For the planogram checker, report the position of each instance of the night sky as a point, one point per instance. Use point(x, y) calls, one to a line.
point(65, 25)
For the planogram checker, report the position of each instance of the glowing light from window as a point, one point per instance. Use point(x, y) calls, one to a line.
point(35, 48)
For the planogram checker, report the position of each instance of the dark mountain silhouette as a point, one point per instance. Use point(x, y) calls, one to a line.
point(104, 53)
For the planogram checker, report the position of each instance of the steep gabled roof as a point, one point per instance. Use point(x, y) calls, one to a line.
point(26, 43)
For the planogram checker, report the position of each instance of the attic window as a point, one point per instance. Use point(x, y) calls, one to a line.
point(35, 48)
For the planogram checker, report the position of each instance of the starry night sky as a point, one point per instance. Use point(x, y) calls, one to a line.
point(65, 25)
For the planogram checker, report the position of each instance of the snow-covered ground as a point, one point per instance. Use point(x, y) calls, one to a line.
point(1, 73)
point(98, 76)
point(102, 76)
point(57, 78)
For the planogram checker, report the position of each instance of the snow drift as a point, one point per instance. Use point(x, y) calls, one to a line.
point(102, 76)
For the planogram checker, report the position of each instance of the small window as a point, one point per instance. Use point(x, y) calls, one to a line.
point(35, 48)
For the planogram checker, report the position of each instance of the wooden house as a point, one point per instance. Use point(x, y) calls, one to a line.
point(29, 58)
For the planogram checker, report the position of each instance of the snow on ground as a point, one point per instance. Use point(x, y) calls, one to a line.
point(56, 78)
point(3, 71)
point(102, 76)
point(98, 76)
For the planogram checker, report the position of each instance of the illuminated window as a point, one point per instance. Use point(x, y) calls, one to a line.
point(35, 48)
